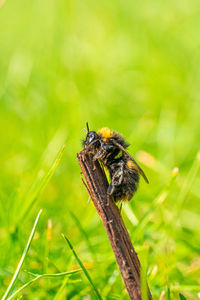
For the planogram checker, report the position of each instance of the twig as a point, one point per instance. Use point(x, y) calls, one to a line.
point(125, 254)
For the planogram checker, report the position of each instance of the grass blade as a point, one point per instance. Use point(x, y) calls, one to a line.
point(182, 297)
point(187, 185)
point(39, 277)
point(39, 185)
point(22, 258)
point(178, 288)
point(82, 231)
point(82, 267)
point(60, 291)
point(168, 293)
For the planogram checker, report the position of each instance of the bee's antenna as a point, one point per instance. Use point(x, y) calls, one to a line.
point(87, 126)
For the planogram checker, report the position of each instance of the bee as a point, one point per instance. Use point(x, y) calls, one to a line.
point(109, 147)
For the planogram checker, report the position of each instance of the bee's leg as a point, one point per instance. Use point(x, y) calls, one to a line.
point(99, 152)
point(111, 189)
point(104, 148)
point(98, 155)
point(118, 175)
point(116, 180)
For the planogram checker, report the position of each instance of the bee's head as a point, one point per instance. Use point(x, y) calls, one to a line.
point(92, 138)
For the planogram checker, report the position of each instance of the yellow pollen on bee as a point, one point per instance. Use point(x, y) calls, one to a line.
point(131, 164)
point(105, 133)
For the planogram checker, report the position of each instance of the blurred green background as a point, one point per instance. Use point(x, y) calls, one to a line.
point(133, 66)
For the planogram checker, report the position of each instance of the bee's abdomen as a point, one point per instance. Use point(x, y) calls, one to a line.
point(126, 190)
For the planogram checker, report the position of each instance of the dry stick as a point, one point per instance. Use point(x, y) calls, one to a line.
point(125, 254)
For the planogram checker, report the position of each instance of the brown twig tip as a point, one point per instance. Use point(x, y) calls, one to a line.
point(126, 257)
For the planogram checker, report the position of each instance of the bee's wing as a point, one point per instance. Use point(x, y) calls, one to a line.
point(140, 170)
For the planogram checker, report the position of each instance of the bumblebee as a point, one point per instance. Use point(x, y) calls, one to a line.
point(110, 148)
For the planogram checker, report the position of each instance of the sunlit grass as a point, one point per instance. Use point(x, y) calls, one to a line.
point(83, 268)
point(25, 252)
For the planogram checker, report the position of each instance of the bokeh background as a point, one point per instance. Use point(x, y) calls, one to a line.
point(133, 66)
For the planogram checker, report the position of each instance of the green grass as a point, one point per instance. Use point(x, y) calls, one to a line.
point(83, 268)
point(19, 267)
point(132, 66)
point(36, 276)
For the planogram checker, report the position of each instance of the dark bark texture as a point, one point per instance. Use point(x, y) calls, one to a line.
point(126, 257)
